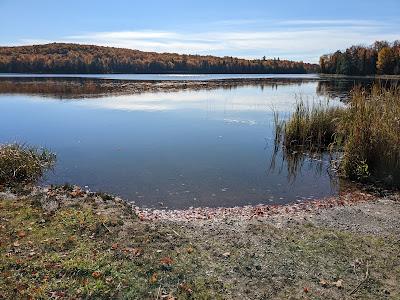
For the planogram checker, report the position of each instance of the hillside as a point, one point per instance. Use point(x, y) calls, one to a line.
point(83, 59)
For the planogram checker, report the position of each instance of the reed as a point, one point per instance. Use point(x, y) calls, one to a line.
point(311, 126)
point(366, 131)
point(371, 132)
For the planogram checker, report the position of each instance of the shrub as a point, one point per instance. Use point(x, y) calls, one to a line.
point(21, 164)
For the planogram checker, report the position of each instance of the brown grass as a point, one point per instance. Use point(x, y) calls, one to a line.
point(20, 164)
point(367, 131)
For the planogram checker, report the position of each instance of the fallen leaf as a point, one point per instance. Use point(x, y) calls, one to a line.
point(109, 279)
point(168, 297)
point(226, 254)
point(134, 251)
point(323, 282)
point(96, 274)
point(153, 278)
point(77, 193)
point(21, 234)
point(166, 261)
point(186, 288)
point(338, 284)
point(306, 290)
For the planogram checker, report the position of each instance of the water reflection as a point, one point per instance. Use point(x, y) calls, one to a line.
point(293, 163)
point(341, 88)
point(76, 88)
point(188, 147)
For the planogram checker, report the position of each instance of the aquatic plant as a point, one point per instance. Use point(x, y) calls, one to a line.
point(21, 164)
point(366, 131)
point(370, 129)
point(311, 126)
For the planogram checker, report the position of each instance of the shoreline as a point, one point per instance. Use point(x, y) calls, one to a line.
point(80, 244)
point(91, 87)
point(54, 197)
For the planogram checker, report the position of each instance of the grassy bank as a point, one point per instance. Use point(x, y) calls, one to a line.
point(367, 131)
point(69, 244)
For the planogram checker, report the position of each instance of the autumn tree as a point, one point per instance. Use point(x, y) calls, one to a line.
point(386, 61)
point(74, 58)
point(380, 58)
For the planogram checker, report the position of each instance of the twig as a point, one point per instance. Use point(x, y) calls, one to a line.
point(362, 281)
point(176, 233)
point(158, 293)
point(106, 228)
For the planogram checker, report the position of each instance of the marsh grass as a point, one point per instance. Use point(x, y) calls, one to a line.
point(366, 131)
point(311, 126)
point(370, 130)
point(21, 164)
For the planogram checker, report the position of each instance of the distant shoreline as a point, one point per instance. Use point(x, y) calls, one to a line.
point(76, 87)
point(339, 76)
point(71, 87)
point(222, 76)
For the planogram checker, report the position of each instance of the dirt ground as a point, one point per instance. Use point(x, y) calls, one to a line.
point(66, 243)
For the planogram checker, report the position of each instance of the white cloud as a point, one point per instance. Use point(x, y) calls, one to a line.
point(338, 22)
point(292, 39)
point(127, 35)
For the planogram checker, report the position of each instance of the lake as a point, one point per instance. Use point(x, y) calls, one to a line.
point(175, 149)
point(156, 77)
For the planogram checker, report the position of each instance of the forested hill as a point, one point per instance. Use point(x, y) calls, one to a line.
point(75, 58)
point(380, 58)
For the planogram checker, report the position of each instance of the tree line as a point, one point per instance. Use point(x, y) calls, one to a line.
point(83, 59)
point(380, 58)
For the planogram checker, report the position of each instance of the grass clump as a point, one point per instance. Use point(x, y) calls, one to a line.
point(371, 129)
point(21, 164)
point(311, 126)
point(366, 131)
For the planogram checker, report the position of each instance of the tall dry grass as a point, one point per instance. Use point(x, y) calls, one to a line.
point(371, 135)
point(21, 164)
point(366, 131)
point(311, 126)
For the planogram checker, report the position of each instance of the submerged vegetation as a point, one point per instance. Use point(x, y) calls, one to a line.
point(366, 131)
point(21, 164)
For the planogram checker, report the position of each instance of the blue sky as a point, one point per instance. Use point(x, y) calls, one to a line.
point(293, 29)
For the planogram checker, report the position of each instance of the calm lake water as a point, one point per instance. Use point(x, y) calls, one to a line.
point(163, 76)
point(184, 148)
